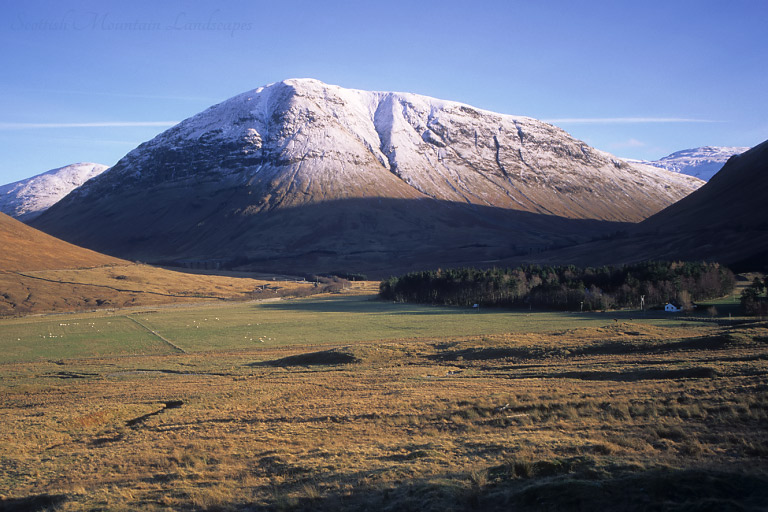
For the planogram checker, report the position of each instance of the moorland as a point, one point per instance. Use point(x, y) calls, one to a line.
point(343, 401)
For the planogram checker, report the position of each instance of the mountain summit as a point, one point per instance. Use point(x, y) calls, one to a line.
point(700, 163)
point(300, 167)
point(26, 199)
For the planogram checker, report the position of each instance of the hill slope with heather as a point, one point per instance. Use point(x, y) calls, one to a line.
point(41, 274)
point(25, 248)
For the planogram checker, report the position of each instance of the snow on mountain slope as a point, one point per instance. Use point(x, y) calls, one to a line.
point(700, 163)
point(204, 186)
point(300, 141)
point(26, 199)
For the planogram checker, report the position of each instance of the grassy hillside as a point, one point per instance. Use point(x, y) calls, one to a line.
point(39, 273)
point(25, 248)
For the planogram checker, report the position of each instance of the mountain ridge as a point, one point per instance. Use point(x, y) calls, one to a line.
point(300, 142)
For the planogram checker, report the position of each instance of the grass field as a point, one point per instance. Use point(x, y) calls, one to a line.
point(334, 319)
point(354, 404)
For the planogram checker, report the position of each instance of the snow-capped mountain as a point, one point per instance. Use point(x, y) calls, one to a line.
point(700, 163)
point(26, 199)
point(327, 142)
point(216, 184)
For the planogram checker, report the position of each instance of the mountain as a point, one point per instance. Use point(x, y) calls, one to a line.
point(700, 163)
point(726, 220)
point(304, 175)
point(26, 199)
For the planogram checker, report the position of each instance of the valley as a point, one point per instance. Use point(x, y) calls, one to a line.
point(398, 257)
point(218, 380)
point(723, 221)
point(343, 402)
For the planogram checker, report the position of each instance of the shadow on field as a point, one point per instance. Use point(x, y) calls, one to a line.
point(708, 343)
point(486, 354)
point(562, 485)
point(322, 358)
point(32, 503)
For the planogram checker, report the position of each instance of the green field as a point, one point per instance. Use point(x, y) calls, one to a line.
point(75, 336)
point(237, 326)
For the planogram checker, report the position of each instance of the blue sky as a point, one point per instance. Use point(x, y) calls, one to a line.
point(89, 81)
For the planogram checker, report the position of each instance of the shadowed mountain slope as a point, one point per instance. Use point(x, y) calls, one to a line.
point(726, 220)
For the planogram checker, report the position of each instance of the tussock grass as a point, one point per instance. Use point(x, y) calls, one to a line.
point(390, 423)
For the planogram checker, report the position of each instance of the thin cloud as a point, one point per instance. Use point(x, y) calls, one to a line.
point(107, 124)
point(108, 94)
point(627, 120)
point(91, 141)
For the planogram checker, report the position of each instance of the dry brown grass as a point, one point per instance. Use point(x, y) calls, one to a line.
point(25, 248)
point(40, 274)
point(590, 418)
point(129, 284)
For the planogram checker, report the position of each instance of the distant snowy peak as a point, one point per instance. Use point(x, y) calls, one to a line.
point(26, 199)
point(702, 163)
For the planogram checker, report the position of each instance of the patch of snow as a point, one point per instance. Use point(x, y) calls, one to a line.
point(26, 199)
point(327, 141)
point(702, 163)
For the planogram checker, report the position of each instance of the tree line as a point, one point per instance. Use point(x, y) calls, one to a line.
point(647, 284)
point(754, 298)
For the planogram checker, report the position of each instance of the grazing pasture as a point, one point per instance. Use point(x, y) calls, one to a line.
point(321, 320)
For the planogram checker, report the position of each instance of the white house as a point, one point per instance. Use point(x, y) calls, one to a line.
point(671, 308)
